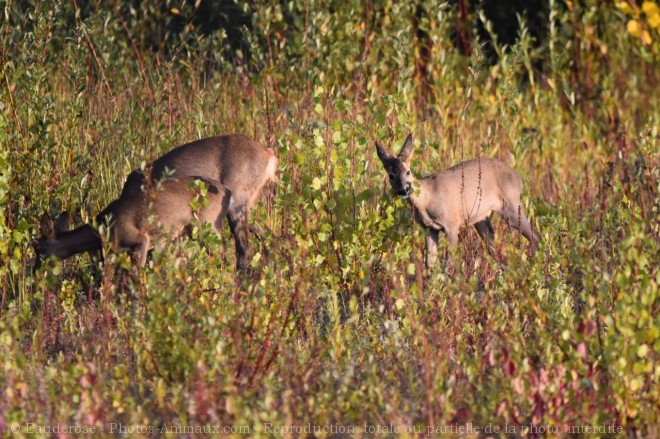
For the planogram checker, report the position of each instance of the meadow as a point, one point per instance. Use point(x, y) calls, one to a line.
point(336, 330)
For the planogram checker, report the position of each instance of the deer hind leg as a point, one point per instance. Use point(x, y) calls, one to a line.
point(487, 233)
point(238, 224)
point(515, 216)
point(261, 237)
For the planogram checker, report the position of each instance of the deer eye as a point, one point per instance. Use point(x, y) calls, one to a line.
point(408, 173)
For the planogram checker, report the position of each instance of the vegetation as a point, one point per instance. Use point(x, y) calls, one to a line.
point(336, 327)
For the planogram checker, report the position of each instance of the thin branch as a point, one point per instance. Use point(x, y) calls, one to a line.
point(92, 50)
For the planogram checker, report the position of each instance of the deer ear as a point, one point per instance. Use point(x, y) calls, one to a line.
point(406, 149)
point(133, 184)
point(63, 222)
point(46, 226)
point(382, 153)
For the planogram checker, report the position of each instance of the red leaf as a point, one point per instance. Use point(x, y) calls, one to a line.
point(517, 387)
point(501, 408)
point(582, 350)
point(587, 328)
point(509, 368)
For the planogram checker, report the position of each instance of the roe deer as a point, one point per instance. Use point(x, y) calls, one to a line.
point(128, 217)
point(465, 194)
point(239, 163)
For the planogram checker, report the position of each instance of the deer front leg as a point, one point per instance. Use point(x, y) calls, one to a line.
point(142, 251)
point(431, 248)
point(452, 239)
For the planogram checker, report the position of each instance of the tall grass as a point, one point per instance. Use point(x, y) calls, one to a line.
point(337, 325)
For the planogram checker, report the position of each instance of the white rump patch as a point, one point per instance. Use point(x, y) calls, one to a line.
point(271, 169)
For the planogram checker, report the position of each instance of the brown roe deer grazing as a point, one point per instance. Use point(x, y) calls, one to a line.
point(138, 216)
point(466, 194)
point(237, 162)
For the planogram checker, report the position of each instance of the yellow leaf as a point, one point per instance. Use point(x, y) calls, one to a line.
point(633, 28)
point(635, 384)
point(654, 21)
point(175, 11)
point(650, 8)
point(624, 7)
point(646, 37)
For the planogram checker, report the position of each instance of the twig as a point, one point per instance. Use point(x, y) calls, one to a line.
point(137, 53)
point(92, 50)
point(13, 109)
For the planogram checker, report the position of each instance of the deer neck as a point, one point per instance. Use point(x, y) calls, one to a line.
point(415, 197)
point(83, 239)
point(418, 202)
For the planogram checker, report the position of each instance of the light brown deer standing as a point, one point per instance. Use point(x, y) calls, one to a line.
point(140, 215)
point(239, 163)
point(466, 194)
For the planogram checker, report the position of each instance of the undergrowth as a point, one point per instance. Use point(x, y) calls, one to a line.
point(336, 326)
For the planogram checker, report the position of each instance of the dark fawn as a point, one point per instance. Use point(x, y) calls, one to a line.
point(231, 163)
point(141, 215)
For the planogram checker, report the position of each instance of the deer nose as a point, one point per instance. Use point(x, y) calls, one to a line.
point(402, 192)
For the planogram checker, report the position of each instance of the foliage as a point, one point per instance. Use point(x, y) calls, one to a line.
point(336, 325)
point(644, 21)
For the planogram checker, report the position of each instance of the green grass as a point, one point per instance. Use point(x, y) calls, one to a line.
point(337, 325)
